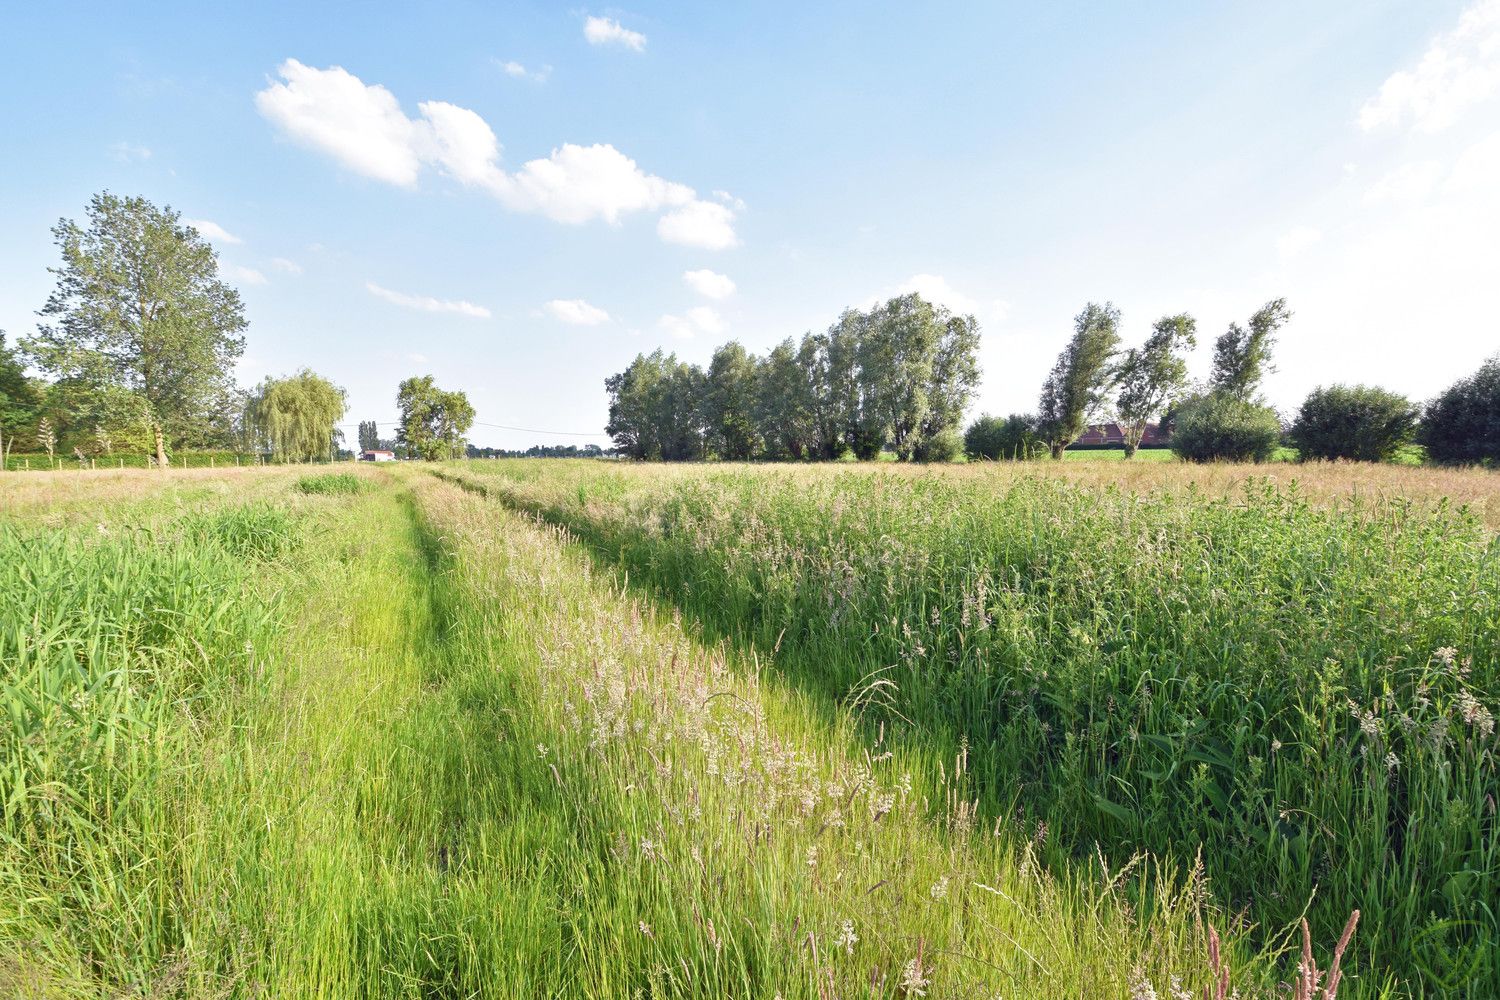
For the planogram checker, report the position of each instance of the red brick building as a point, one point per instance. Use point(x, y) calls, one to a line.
point(1104, 435)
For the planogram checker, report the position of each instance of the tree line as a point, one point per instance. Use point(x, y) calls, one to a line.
point(136, 347)
point(896, 377)
point(1225, 417)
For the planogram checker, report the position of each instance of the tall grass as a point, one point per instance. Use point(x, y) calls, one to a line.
point(1302, 691)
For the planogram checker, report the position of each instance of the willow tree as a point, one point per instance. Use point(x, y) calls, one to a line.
point(295, 418)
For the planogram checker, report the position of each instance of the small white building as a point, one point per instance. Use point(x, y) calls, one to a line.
point(377, 456)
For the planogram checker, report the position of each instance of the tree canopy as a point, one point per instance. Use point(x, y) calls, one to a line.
point(294, 418)
point(139, 306)
point(1151, 376)
point(433, 421)
point(1242, 357)
point(1076, 388)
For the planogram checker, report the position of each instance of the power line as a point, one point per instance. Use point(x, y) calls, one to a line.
point(481, 423)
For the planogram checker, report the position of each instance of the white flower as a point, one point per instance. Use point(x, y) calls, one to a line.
point(913, 980)
point(847, 939)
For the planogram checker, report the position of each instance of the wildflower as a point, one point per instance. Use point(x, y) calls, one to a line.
point(1392, 762)
point(645, 929)
point(939, 889)
point(541, 750)
point(812, 857)
point(914, 981)
point(1140, 987)
point(847, 939)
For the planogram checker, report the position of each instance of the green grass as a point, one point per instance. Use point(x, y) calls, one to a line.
point(806, 732)
point(1256, 676)
point(331, 484)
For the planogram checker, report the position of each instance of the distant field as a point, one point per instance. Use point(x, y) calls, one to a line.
point(551, 728)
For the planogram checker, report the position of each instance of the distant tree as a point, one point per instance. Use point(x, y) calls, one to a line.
point(1353, 422)
point(1219, 427)
point(897, 359)
point(433, 422)
point(993, 438)
point(730, 403)
point(955, 374)
point(369, 436)
point(20, 399)
point(1149, 377)
point(829, 387)
point(784, 409)
point(1462, 426)
point(139, 305)
point(1242, 357)
point(1076, 387)
point(295, 418)
point(856, 358)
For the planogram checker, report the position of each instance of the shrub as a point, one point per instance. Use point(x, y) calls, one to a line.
point(996, 437)
point(1462, 426)
point(1359, 422)
point(944, 446)
point(1222, 428)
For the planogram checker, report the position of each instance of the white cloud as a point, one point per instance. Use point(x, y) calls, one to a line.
point(699, 224)
point(427, 303)
point(213, 231)
point(519, 71)
point(363, 127)
point(1405, 185)
point(936, 289)
point(129, 152)
point(245, 275)
point(1460, 69)
point(1297, 239)
point(577, 312)
point(608, 31)
point(710, 284)
point(286, 266)
point(700, 319)
point(706, 318)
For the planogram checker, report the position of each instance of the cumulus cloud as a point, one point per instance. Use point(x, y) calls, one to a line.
point(1297, 239)
point(936, 289)
point(703, 224)
point(213, 231)
point(706, 318)
point(577, 312)
point(244, 275)
point(608, 31)
point(427, 303)
point(709, 284)
point(363, 127)
point(1459, 69)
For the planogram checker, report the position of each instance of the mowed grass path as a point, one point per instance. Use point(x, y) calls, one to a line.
point(396, 741)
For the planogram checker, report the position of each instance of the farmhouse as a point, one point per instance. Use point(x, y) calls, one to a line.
point(377, 456)
point(1104, 435)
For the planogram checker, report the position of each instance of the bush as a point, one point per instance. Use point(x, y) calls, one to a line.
point(1355, 422)
point(944, 446)
point(1222, 428)
point(995, 437)
point(1462, 426)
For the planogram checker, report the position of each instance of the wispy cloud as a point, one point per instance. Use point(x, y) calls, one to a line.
point(427, 303)
point(1296, 240)
point(577, 312)
point(129, 152)
point(608, 31)
point(519, 71)
point(213, 231)
point(1459, 69)
point(286, 266)
point(701, 319)
point(245, 275)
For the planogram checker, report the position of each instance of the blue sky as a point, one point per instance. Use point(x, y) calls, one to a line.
point(517, 198)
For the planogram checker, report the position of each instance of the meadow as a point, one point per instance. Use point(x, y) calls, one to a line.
point(545, 728)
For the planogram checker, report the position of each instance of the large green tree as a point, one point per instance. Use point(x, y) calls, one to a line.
point(295, 418)
point(730, 403)
point(369, 436)
point(896, 359)
point(20, 401)
point(1075, 389)
point(1152, 376)
point(139, 305)
point(1242, 354)
point(433, 421)
point(955, 375)
point(784, 407)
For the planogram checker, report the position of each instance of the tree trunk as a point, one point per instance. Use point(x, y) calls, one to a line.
point(161, 451)
point(1057, 451)
point(1130, 447)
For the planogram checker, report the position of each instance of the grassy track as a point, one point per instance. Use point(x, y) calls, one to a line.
point(1304, 691)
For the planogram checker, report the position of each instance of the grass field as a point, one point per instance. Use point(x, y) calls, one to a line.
point(542, 728)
